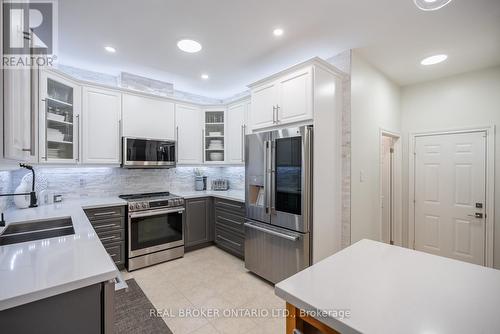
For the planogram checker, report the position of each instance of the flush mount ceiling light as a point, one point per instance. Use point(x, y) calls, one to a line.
point(110, 49)
point(433, 60)
point(278, 32)
point(429, 5)
point(204, 76)
point(189, 45)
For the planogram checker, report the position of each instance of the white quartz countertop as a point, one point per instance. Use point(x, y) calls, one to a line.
point(38, 269)
point(389, 289)
point(233, 195)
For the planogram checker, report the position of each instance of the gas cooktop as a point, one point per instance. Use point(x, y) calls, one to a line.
point(149, 201)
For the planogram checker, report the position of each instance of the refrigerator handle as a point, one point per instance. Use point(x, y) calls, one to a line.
point(308, 191)
point(267, 170)
point(272, 188)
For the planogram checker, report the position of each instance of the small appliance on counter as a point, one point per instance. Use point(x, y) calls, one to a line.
point(200, 181)
point(220, 184)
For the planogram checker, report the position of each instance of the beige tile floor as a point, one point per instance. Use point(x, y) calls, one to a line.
point(206, 280)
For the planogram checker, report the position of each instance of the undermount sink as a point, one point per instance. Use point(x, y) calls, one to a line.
point(36, 230)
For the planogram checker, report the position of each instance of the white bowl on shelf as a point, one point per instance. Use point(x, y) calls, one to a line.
point(216, 156)
point(215, 134)
point(55, 117)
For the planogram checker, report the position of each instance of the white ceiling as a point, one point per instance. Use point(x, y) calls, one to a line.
point(239, 47)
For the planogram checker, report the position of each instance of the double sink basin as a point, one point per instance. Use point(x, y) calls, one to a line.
point(36, 230)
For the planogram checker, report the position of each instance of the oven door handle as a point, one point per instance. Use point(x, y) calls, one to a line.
point(148, 213)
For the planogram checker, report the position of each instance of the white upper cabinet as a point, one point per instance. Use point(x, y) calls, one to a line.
point(236, 133)
point(20, 135)
point(264, 102)
point(296, 98)
point(283, 100)
point(148, 117)
point(59, 119)
point(189, 130)
point(101, 126)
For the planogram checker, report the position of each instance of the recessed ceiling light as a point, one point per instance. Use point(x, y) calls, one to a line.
point(204, 76)
point(429, 5)
point(432, 60)
point(110, 49)
point(278, 32)
point(189, 45)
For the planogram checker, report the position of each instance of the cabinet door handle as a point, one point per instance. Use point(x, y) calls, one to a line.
point(274, 114)
point(203, 145)
point(76, 142)
point(243, 143)
point(277, 115)
point(177, 144)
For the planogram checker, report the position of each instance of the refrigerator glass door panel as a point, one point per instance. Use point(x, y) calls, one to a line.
point(291, 178)
point(257, 176)
point(274, 253)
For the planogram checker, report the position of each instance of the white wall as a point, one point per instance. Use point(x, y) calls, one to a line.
point(375, 105)
point(462, 101)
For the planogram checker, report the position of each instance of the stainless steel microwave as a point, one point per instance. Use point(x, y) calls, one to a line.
point(148, 153)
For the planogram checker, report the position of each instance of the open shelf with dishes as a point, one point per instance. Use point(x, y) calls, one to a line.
point(214, 141)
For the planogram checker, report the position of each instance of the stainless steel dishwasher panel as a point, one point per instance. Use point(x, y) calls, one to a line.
point(275, 253)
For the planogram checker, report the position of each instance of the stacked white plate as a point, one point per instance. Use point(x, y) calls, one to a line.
point(215, 144)
point(54, 135)
point(53, 153)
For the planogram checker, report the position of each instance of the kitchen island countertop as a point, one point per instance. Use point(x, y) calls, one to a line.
point(392, 290)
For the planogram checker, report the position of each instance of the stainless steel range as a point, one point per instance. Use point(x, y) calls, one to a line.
point(155, 228)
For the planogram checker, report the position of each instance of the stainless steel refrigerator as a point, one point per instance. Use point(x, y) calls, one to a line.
point(278, 193)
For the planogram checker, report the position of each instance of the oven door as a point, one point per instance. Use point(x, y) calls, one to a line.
point(148, 153)
point(155, 230)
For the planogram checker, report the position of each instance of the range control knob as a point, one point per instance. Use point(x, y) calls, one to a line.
point(131, 206)
point(137, 206)
point(144, 205)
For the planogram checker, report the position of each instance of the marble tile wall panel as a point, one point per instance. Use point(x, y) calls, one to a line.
point(80, 182)
point(343, 62)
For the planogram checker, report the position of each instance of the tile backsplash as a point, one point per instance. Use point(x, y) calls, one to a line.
point(78, 182)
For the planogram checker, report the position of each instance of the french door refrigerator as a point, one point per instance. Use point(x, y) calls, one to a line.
point(278, 193)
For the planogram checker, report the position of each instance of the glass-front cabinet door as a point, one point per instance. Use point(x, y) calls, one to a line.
point(59, 119)
point(214, 137)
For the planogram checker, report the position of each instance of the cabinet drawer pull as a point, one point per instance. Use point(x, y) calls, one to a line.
point(110, 238)
point(227, 240)
point(105, 213)
point(230, 205)
point(230, 220)
point(103, 226)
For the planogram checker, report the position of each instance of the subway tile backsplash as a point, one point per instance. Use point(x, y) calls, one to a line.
point(78, 182)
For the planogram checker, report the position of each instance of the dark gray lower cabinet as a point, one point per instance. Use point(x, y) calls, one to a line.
point(199, 222)
point(229, 226)
point(109, 224)
point(82, 311)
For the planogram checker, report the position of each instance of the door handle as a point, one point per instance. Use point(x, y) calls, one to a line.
point(476, 215)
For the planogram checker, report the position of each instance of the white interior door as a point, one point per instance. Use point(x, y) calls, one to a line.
point(450, 190)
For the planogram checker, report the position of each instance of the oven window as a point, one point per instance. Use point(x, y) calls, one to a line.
point(150, 150)
point(155, 230)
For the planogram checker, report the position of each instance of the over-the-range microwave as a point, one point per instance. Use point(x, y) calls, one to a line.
point(148, 153)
